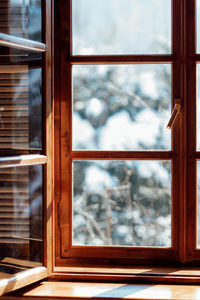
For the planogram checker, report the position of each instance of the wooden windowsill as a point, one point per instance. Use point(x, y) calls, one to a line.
point(82, 291)
point(115, 282)
point(146, 274)
point(137, 270)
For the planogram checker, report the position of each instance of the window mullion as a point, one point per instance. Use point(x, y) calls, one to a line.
point(190, 123)
point(178, 192)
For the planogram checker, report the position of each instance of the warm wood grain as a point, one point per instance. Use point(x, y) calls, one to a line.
point(141, 270)
point(21, 279)
point(57, 127)
point(190, 133)
point(63, 200)
point(20, 262)
point(129, 155)
point(135, 253)
point(48, 17)
point(75, 291)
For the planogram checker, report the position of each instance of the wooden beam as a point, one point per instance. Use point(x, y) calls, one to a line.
point(120, 59)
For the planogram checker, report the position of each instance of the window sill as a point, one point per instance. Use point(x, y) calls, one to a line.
point(183, 275)
point(82, 291)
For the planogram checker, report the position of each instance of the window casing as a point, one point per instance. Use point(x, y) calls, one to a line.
point(183, 154)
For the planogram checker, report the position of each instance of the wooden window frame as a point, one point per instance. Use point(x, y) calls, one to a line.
point(184, 155)
point(32, 275)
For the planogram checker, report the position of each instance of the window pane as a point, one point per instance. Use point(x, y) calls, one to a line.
point(198, 106)
point(198, 204)
point(21, 219)
point(125, 203)
point(21, 18)
point(197, 25)
point(121, 107)
point(121, 27)
point(21, 107)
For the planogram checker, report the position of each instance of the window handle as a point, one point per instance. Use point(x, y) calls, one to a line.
point(174, 114)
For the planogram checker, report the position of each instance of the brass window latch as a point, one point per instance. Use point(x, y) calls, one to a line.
point(174, 114)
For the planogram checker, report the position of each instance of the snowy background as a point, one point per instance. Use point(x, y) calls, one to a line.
point(121, 107)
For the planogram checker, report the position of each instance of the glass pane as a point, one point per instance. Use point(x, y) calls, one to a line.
point(124, 203)
point(198, 106)
point(21, 18)
point(121, 27)
point(121, 107)
point(198, 204)
point(21, 219)
point(197, 25)
point(21, 106)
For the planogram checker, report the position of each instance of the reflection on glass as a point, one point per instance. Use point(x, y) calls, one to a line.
point(125, 203)
point(121, 27)
point(21, 219)
point(21, 18)
point(20, 108)
point(121, 107)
